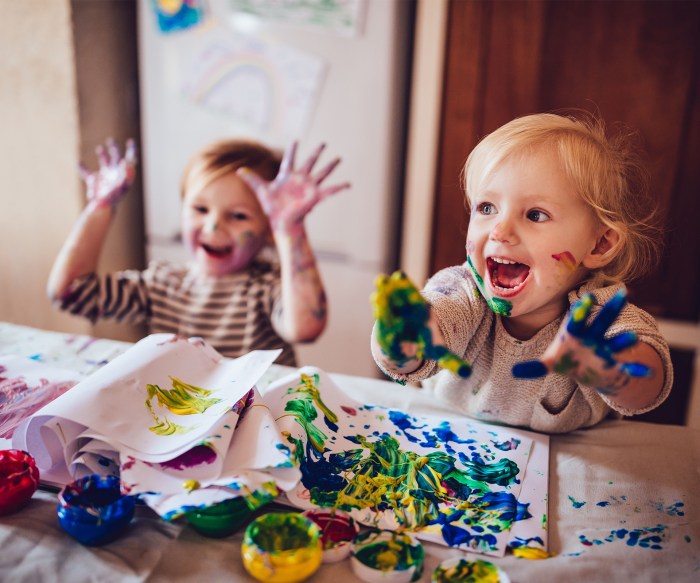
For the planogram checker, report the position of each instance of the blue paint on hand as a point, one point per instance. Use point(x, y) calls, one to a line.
point(532, 369)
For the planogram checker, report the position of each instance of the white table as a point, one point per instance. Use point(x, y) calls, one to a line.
point(606, 486)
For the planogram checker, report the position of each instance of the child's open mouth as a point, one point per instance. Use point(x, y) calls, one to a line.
point(217, 252)
point(507, 276)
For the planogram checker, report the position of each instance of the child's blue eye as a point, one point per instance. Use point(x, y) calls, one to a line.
point(238, 216)
point(537, 216)
point(201, 210)
point(486, 208)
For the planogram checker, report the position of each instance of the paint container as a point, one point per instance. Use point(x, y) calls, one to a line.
point(338, 531)
point(93, 510)
point(19, 479)
point(461, 570)
point(281, 547)
point(384, 555)
point(220, 520)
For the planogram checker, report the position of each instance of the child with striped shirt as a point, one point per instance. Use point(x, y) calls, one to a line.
point(253, 282)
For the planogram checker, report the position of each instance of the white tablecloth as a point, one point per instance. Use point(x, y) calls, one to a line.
point(624, 501)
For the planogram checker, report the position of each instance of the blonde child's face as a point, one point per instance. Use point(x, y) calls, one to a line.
point(223, 225)
point(529, 240)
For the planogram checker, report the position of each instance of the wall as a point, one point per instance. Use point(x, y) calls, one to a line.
point(46, 130)
point(40, 193)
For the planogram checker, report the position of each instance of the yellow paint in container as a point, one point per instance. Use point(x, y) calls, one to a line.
point(282, 547)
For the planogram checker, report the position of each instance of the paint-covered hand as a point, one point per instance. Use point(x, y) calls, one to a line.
point(582, 352)
point(294, 192)
point(403, 333)
point(108, 185)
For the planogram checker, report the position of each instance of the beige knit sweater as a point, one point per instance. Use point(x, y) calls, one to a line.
point(553, 404)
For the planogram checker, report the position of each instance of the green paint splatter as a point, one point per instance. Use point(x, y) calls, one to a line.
point(309, 386)
point(389, 551)
point(498, 306)
point(467, 572)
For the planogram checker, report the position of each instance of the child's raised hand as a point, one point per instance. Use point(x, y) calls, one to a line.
point(294, 192)
point(402, 325)
point(108, 185)
point(581, 351)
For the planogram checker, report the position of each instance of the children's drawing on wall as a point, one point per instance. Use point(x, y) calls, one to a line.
point(454, 482)
point(343, 17)
point(174, 15)
point(271, 88)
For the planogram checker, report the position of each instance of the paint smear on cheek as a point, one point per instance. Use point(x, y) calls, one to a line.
point(566, 259)
point(470, 247)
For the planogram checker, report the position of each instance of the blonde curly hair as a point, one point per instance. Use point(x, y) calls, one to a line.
point(607, 173)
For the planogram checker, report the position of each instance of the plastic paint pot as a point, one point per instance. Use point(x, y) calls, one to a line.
point(19, 479)
point(281, 547)
point(93, 510)
point(461, 570)
point(338, 531)
point(221, 519)
point(384, 555)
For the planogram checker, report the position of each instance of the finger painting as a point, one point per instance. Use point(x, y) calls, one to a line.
point(455, 482)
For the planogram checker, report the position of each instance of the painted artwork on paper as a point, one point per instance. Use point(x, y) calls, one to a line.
point(174, 15)
point(450, 481)
point(26, 386)
point(178, 423)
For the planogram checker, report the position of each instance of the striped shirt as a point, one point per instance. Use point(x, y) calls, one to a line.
point(232, 312)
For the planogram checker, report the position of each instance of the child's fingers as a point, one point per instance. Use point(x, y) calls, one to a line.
point(635, 369)
point(102, 158)
point(130, 152)
point(621, 341)
point(578, 314)
point(607, 315)
point(323, 174)
point(250, 178)
point(326, 192)
point(113, 151)
point(530, 369)
point(312, 160)
point(287, 163)
point(83, 172)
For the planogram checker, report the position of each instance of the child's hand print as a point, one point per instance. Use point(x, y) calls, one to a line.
point(581, 351)
point(402, 325)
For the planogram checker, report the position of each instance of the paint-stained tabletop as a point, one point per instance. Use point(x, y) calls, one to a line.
point(623, 502)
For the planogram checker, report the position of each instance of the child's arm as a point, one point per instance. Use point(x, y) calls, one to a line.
point(80, 252)
point(627, 372)
point(286, 201)
point(406, 333)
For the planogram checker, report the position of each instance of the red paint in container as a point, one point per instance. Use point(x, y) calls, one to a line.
point(338, 530)
point(19, 479)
